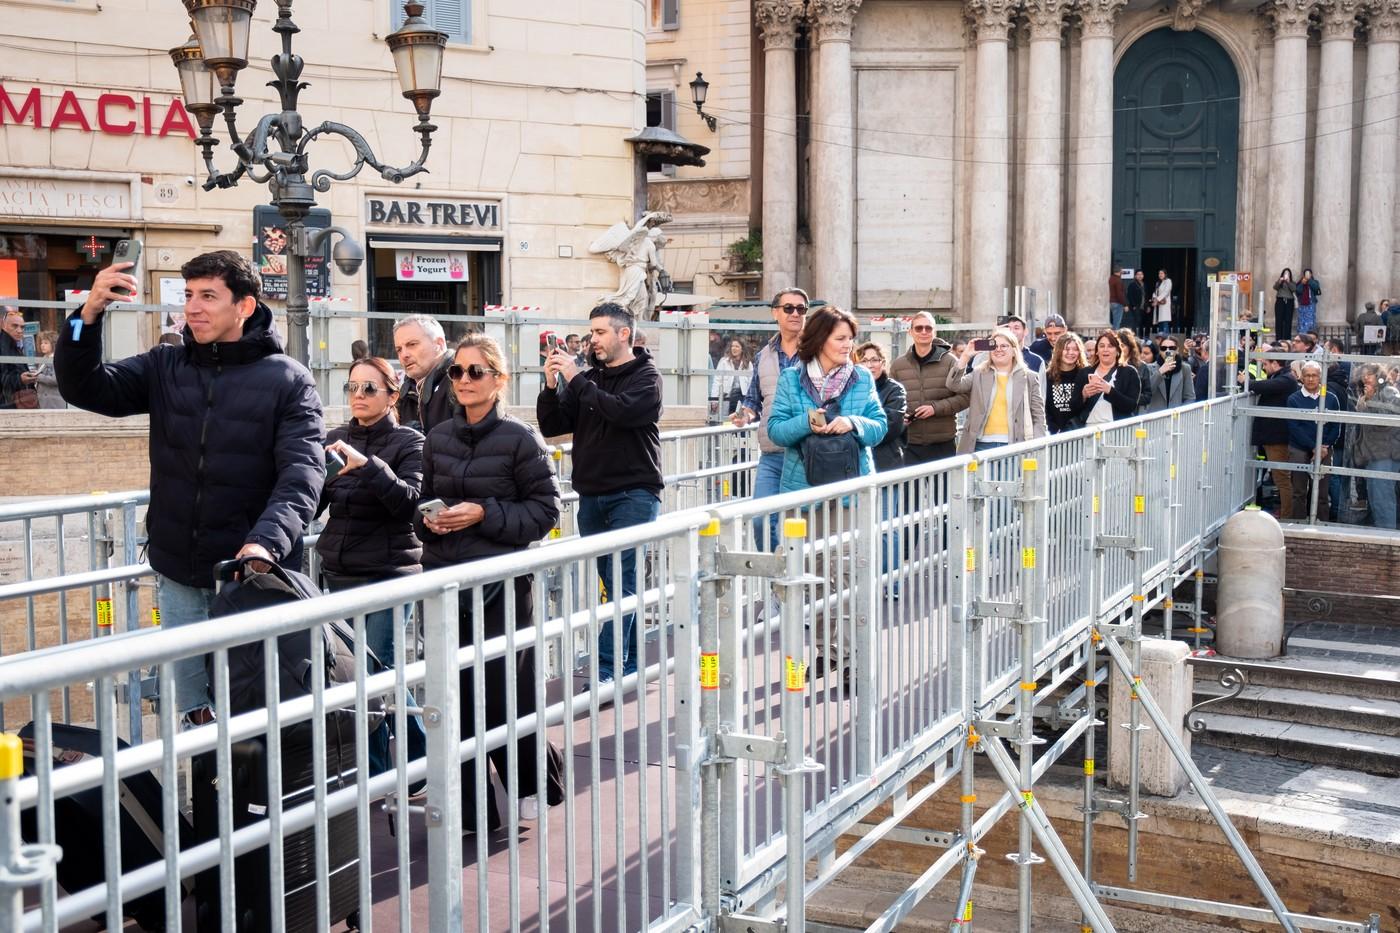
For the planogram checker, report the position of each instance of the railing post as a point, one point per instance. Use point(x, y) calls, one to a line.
point(441, 719)
point(794, 769)
point(712, 589)
point(1137, 555)
point(1173, 526)
point(688, 615)
point(865, 603)
point(1031, 616)
point(132, 620)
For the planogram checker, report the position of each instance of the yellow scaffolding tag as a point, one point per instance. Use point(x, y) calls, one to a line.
point(709, 671)
point(104, 613)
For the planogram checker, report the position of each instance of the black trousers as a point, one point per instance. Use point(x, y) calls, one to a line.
point(1283, 319)
point(522, 754)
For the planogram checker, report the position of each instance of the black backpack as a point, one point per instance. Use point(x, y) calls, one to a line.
point(831, 458)
point(252, 591)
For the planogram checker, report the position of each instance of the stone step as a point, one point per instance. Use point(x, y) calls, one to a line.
point(1337, 675)
point(1310, 707)
point(1339, 748)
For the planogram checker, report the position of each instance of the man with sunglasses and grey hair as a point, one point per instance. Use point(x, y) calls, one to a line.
point(933, 407)
point(790, 314)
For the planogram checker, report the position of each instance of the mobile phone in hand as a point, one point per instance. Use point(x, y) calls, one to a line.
point(430, 508)
point(816, 418)
point(128, 251)
point(334, 463)
point(982, 344)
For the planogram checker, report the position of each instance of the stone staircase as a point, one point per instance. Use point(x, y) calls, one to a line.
point(1324, 707)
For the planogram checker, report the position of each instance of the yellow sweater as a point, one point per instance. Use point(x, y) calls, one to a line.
point(998, 424)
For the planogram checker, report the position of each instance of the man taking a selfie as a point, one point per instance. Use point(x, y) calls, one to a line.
point(235, 435)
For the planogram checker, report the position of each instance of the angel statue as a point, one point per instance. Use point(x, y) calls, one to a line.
point(637, 250)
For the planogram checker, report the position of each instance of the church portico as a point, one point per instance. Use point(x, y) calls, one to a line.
point(993, 143)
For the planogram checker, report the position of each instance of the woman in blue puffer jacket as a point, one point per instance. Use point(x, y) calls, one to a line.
point(825, 380)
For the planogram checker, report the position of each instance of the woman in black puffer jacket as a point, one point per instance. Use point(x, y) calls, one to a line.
point(372, 499)
point(493, 474)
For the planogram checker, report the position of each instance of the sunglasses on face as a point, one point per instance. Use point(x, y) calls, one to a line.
point(474, 372)
point(925, 329)
point(367, 389)
point(793, 309)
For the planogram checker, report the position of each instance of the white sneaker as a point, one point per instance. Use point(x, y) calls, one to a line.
point(530, 808)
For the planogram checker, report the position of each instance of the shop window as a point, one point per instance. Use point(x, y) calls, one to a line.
point(47, 266)
point(453, 17)
point(391, 293)
point(661, 111)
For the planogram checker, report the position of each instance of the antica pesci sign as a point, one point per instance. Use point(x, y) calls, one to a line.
point(111, 113)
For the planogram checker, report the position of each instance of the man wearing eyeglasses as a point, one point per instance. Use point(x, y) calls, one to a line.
point(613, 411)
point(933, 407)
point(790, 314)
point(235, 425)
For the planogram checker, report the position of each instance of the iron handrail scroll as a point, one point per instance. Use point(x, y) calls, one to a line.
point(1232, 679)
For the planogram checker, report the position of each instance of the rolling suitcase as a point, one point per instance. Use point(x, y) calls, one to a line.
point(252, 893)
point(78, 819)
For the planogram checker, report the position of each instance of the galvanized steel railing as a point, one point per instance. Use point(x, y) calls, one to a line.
point(697, 791)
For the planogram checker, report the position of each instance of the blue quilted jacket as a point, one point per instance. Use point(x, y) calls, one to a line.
point(787, 425)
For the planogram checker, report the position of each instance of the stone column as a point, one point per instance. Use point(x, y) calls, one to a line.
point(1168, 678)
point(833, 158)
point(778, 21)
point(1331, 215)
point(1375, 239)
point(1044, 182)
point(991, 168)
point(1288, 124)
point(1093, 169)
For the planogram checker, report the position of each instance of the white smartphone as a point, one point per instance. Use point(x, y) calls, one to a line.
point(430, 508)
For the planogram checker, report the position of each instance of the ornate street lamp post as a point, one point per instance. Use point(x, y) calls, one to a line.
point(275, 152)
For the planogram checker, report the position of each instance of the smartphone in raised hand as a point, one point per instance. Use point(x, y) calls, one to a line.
point(127, 251)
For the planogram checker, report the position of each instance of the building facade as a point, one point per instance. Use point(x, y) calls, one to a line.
point(715, 205)
point(928, 154)
point(528, 165)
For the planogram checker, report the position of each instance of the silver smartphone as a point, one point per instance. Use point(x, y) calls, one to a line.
point(127, 251)
point(430, 508)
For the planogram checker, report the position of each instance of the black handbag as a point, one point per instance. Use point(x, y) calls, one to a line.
point(831, 458)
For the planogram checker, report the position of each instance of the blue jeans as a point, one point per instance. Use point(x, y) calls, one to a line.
point(1115, 315)
point(1164, 328)
point(379, 638)
point(889, 542)
point(1381, 493)
point(184, 605)
point(768, 481)
point(597, 514)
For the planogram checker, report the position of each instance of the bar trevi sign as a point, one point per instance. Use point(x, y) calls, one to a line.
point(34, 196)
point(453, 215)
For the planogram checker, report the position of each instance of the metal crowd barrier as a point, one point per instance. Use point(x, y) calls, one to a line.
point(709, 789)
point(81, 571)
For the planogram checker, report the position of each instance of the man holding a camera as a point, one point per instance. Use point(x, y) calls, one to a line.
point(235, 435)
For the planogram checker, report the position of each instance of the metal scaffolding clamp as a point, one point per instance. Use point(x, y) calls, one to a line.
point(764, 748)
point(751, 563)
point(988, 609)
point(747, 923)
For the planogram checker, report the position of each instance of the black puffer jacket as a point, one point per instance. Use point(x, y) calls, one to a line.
point(501, 464)
point(1272, 392)
point(425, 407)
point(889, 453)
point(370, 529)
point(613, 413)
point(236, 455)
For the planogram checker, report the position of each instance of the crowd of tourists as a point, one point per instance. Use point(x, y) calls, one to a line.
point(430, 470)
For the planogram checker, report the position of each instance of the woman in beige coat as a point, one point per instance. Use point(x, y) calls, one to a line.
point(1007, 405)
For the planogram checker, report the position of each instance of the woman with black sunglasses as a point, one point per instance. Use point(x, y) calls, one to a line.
point(372, 498)
point(493, 474)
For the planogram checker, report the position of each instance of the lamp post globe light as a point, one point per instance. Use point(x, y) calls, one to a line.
point(275, 152)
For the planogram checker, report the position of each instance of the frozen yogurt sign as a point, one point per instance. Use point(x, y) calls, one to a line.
point(417, 266)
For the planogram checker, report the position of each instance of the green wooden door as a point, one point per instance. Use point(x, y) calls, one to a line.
point(1176, 130)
